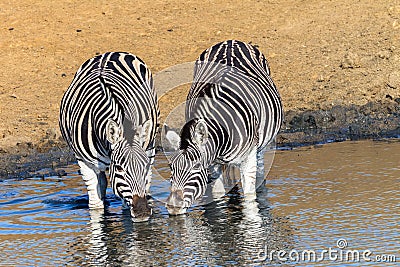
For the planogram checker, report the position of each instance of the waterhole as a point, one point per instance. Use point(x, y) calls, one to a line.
point(313, 198)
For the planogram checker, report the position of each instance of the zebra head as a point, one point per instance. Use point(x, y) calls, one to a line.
point(130, 165)
point(188, 168)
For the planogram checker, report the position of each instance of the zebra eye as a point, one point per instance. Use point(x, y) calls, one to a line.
point(119, 168)
point(197, 166)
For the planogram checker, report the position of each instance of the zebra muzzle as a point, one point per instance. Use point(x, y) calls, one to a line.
point(175, 204)
point(140, 209)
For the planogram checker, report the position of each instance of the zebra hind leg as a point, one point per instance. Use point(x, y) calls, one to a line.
point(248, 173)
point(96, 185)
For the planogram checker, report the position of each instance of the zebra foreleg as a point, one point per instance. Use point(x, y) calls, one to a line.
point(101, 176)
point(260, 167)
point(151, 153)
point(218, 188)
point(215, 185)
point(96, 185)
point(248, 173)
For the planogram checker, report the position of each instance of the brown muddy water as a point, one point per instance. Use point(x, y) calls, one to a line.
point(342, 197)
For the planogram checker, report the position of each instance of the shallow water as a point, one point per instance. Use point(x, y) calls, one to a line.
point(313, 197)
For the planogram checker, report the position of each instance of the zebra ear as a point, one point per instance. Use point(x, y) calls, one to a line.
point(143, 132)
point(200, 133)
point(114, 132)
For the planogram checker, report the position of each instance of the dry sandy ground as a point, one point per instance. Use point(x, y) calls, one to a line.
point(321, 53)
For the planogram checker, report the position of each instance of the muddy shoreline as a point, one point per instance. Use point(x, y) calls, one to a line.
point(375, 120)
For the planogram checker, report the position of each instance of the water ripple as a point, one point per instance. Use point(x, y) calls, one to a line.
point(312, 198)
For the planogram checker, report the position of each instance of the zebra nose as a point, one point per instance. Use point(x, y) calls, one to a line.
point(140, 210)
point(175, 204)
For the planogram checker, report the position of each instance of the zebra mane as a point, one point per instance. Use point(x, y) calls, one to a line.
point(129, 130)
point(186, 134)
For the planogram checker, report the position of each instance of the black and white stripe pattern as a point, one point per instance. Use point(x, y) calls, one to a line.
point(109, 117)
point(233, 112)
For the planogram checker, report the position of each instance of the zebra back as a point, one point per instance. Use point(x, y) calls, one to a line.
point(236, 77)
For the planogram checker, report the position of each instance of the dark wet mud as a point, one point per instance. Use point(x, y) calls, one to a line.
point(27, 161)
point(370, 121)
point(374, 120)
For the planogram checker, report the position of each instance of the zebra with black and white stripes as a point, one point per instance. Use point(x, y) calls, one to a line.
point(109, 118)
point(233, 111)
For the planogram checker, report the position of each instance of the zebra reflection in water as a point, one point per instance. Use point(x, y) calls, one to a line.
point(220, 233)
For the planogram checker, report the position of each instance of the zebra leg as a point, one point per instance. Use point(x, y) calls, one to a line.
point(248, 171)
point(260, 167)
point(215, 186)
point(101, 176)
point(151, 153)
point(216, 174)
point(96, 184)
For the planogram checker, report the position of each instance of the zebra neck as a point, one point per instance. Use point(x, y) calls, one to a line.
point(209, 152)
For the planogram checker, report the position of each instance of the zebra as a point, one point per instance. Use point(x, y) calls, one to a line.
point(233, 111)
point(109, 118)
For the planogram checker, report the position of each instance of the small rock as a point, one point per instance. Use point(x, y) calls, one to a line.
point(11, 29)
point(384, 54)
point(14, 96)
point(78, 30)
point(394, 80)
point(350, 61)
point(367, 60)
point(396, 24)
point(394, 11)
point(51, 134)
